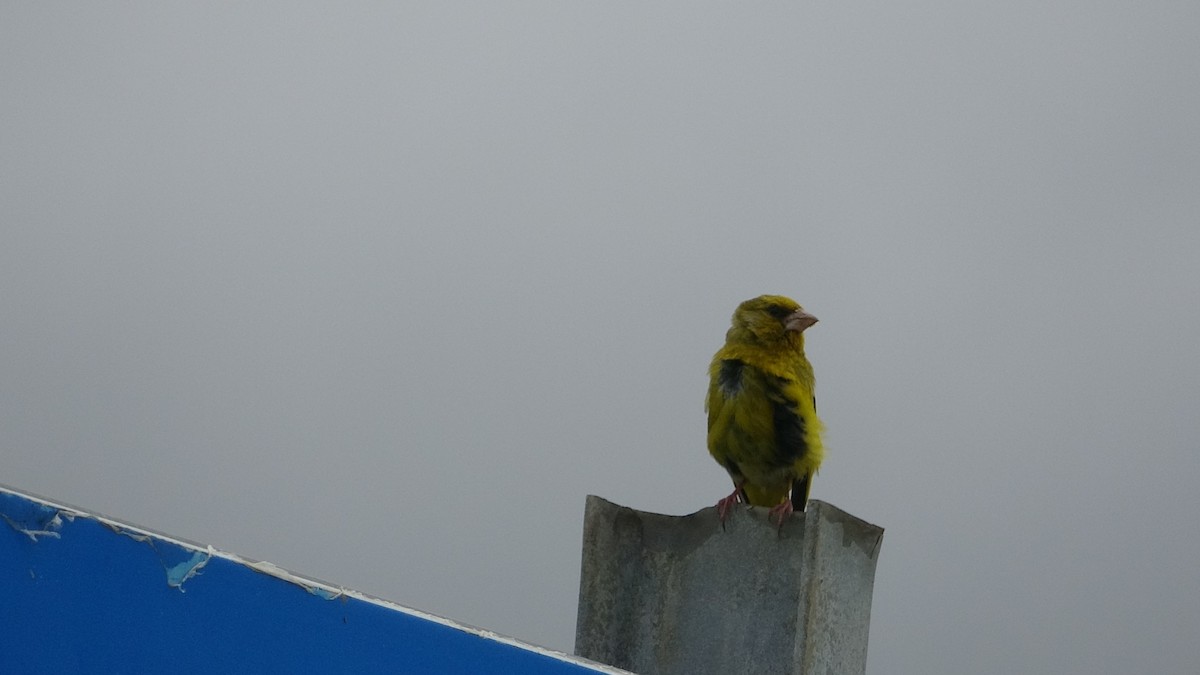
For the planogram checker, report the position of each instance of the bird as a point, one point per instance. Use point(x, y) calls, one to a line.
point(762, 409)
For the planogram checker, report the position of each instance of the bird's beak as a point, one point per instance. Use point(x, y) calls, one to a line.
point(799, 320)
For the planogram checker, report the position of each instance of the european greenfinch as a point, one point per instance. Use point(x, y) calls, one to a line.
point(762, 412)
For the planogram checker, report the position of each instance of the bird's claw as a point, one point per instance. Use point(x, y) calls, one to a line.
point(725, 506)
point(780, 511)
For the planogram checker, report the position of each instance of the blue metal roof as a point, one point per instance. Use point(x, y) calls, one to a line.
point(85, 594)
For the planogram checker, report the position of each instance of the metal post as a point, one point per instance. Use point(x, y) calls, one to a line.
point(680, 594)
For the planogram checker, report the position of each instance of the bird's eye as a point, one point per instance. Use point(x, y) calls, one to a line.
point(778, 312)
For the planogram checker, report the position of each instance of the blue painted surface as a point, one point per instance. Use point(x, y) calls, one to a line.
point(82, 596)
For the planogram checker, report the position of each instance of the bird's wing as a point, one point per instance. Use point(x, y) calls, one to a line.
point(791, 441)
point(794, 445)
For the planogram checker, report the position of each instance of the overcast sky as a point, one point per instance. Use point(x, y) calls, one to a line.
point(379, 292)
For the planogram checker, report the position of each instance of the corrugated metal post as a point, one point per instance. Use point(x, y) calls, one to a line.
point(677, 594)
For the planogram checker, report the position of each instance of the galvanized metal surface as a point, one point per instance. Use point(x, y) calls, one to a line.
point(680, 594)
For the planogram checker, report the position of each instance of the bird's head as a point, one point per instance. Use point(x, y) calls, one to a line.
point(770, 320)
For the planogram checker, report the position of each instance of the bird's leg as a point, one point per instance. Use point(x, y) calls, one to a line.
point(724, 506)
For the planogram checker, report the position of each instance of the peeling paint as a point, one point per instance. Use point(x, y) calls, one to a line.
point(30, 532)
point(178, 573)
point(187, 569)
point(320, 590)
point(136, 536)
point(38, 520)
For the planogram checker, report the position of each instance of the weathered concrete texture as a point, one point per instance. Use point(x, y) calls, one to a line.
point(677, 594)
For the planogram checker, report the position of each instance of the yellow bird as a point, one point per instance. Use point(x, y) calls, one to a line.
point(762, 412)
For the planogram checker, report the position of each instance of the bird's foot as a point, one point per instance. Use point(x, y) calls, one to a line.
point(725, 505)
point(780, 512)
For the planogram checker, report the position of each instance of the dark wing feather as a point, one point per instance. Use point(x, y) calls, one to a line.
point(789, 440)
point(789, 426)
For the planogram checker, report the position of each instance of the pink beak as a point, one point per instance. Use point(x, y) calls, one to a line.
point(799, 320)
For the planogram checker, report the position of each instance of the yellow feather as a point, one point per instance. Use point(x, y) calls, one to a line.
point(762, 418)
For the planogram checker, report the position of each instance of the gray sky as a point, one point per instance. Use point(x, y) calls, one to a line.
point(380, 292)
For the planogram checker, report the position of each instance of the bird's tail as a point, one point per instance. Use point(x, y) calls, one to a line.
point(800, 494)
